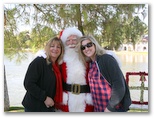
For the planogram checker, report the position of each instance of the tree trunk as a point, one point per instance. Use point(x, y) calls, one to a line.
point(80, 27)
point(6, 96)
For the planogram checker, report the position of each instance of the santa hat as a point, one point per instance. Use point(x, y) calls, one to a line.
point(68, 32)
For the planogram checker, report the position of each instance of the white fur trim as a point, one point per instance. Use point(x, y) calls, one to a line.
point(70, 31)
point(110, 52)
point(65, 98)
point(41, 53)
point(76, 103)
point(89, 99)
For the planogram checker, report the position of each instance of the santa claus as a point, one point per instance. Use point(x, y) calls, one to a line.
point(76, 91)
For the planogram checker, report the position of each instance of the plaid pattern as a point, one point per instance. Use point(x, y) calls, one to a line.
point(100, 89)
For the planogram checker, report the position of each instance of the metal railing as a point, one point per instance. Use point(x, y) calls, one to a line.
point(142, 88)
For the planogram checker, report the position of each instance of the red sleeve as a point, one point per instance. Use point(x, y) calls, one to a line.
point(87, 70)
point(63, 71)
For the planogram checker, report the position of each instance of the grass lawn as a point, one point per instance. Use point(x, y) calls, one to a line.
point(21, 109)
point(15, 109)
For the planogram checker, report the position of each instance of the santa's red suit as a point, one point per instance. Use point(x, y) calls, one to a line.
point(76, 92)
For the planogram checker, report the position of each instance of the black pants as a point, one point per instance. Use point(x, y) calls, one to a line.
point(27, 110)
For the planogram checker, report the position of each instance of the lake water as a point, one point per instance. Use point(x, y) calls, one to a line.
point(15, 73)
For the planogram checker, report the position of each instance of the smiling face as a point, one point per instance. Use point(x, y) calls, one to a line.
point(71, 41)
point(55, 50)
point(88, 48)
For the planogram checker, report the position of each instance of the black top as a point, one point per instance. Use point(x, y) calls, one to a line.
point(110, 69)
point(40, 82)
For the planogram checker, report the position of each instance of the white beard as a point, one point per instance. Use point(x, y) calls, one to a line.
point(75, 68)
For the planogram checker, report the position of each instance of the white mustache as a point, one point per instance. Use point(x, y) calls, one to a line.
point(71, 46)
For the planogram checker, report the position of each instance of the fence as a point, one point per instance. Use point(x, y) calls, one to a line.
point(142, 88)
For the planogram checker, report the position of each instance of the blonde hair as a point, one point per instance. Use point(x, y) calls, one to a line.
point(99, 50)
point(47, 50)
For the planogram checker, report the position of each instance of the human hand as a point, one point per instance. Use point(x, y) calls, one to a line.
point(106, 110)
point(49, 102)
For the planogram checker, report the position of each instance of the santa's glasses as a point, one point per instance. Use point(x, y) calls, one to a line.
point(88, 45)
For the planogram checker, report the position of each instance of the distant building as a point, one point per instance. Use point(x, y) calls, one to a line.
point(127, 47)
point(141, 46)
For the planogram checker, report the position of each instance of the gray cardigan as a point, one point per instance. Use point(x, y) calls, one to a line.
point(111, 71)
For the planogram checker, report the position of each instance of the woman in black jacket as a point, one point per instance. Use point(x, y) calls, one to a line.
point(43, 82)
point(107, 83)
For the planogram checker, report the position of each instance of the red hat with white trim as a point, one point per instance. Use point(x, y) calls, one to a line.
point(68, 32)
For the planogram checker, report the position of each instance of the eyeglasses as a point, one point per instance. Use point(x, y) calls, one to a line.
point(88, 45)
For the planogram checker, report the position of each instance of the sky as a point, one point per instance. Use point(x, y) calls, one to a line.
point(90, 115)
point(145, 20)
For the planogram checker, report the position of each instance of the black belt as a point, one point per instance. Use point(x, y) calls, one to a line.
point(76, 88)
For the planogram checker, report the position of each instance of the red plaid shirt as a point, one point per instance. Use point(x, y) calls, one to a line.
point(99, 87)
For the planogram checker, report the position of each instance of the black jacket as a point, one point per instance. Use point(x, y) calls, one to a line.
point(111, 71)
point(40, 82)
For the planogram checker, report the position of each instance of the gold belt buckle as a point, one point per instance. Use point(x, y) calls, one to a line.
point(75, 88)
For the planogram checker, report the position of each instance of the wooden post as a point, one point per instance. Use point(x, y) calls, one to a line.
point(142, 89)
